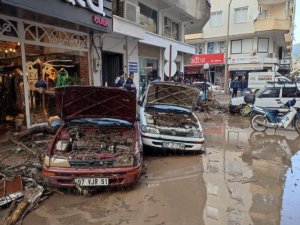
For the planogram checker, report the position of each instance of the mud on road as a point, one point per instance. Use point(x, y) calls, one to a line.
point(245, 177)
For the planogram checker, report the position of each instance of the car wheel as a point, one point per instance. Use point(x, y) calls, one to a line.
point(245, 110)
point(257, 121)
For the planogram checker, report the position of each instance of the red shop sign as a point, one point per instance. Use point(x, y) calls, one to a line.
point(201, 59)
point(100, 21)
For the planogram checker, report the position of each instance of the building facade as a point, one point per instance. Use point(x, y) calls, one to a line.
point(43, 45)
point(257, 35)
point(148, 39)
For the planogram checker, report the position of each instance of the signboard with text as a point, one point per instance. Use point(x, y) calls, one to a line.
point(211, 59)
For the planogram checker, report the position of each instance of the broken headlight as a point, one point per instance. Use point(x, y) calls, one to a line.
point(124, 161)
point(152, 130)
point(196, 134)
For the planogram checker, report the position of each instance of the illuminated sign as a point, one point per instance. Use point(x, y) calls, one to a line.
point(98, 8)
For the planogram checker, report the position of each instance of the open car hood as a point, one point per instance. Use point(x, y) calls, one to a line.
point(76, 102)
point(171, 93)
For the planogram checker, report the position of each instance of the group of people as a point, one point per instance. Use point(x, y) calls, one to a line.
point(236, 85)
point(128, 84)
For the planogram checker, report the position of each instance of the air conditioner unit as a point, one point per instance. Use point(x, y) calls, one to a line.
point(131, 12)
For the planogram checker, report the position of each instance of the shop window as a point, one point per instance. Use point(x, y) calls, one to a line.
point(263, 45)
point(241, 15)
point(148, 72)
point(216, 19)
point(171, 29)
point(148, 18)
point(216, 47)
point(236, 46)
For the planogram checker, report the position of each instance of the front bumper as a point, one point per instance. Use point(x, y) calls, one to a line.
point(64, 177)
point(155, 142)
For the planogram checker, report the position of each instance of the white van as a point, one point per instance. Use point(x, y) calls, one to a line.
point(258, 80)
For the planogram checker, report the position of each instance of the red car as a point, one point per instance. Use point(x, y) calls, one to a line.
point(98, 143)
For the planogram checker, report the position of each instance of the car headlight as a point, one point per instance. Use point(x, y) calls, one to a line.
point(124, 161)
point(196, 134)
point(152, 130)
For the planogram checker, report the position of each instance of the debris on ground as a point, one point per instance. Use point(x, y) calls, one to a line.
point(210, 105)
point(21, 181)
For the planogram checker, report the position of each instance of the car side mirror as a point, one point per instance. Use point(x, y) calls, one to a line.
point(140, 103)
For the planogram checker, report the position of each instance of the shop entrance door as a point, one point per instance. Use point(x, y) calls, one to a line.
point(112, 63)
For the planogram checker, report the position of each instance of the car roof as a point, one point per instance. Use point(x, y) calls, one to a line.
point(283, 85)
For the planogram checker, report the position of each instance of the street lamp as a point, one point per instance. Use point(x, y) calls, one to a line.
point(227, 44)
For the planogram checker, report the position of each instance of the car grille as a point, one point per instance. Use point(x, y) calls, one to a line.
point(92, 163)
point(173, 133)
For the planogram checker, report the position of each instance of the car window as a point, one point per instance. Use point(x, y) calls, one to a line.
point(289, 92)
point(270, 93)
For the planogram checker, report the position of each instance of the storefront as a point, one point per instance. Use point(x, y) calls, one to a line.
point(36, 57)
point(214, 72)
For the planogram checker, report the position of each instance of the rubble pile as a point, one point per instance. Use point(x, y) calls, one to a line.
point(210, 105)
point(21, 181)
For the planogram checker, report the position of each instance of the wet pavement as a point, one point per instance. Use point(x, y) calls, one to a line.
point(245, 177)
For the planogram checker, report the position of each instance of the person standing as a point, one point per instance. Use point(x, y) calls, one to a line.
point(243, 85)
point(130, 86)
point(120, 80)
point(235, 84)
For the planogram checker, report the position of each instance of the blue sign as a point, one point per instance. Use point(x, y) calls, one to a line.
point(133, 67)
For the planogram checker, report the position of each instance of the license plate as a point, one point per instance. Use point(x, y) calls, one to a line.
point(91, 181)
point(172, 145)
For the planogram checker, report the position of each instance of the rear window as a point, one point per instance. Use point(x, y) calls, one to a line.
point(290, 92)
point(270, 93)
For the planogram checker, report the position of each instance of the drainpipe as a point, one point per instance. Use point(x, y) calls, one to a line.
point(226, 52)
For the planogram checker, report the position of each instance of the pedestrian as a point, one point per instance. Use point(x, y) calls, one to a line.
point(129, 85)
point(229, 87)
point(120, 80)
point(243, 85)
point(235, 85)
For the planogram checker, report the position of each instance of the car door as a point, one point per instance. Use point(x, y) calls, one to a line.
point(289, 93)
point(269, 98)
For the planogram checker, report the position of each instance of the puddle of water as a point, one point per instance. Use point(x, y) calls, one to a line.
point(291, 194)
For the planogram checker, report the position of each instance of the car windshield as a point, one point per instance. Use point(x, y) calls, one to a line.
point(102, 121)
point(170, 108)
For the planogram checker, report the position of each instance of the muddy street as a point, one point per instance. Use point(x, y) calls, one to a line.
point(245, 177)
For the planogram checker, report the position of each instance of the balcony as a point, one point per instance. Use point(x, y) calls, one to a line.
point(272, 24)
point(193, 37)
point(270, 2)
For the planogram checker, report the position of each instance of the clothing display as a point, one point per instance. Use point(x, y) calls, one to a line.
point(62, 78)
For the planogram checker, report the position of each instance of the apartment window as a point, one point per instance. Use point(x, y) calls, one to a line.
point(201, 48)
point(241, 15)
point(216, 19)
point(247, 45)
point(171, 29)
point(263, 45)
point(236, 47)
point(216, 47)
point(148, 18)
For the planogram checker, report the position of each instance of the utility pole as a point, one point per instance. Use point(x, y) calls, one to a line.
point(226, 52)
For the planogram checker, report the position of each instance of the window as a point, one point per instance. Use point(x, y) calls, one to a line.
point(236, 47)
point(270, 93)
point(171, 29)
point(247, 45)
point(148, 18)
point(216, 19)
point(216, 47)
point(290, 92)
point(263, 45)
point(241, 15)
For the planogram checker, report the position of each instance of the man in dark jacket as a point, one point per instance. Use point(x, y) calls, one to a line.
point(120, 81)
point(130, 86)
point(235, 84)
point(243, 86)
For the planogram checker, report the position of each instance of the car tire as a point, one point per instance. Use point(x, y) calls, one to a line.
point(297, 125)
point(245, 110)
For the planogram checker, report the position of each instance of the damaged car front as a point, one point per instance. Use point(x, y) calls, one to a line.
point(167, 120)
point(99, 142)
